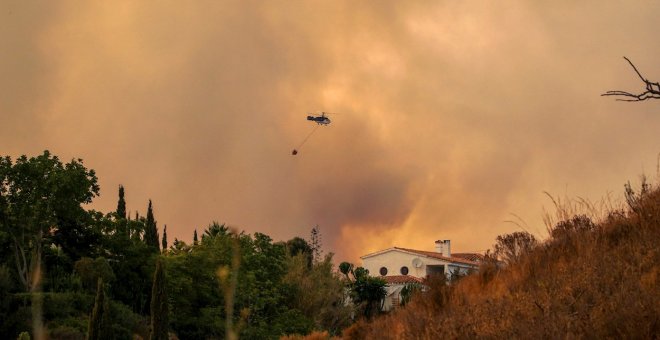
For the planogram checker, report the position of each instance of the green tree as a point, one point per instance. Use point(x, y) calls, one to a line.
point(228, 276)
point(151, 230)
point(346, 268)
point(318, 292)
point(137, 227)
point(195, 241)
point(132, 261)
point(8, 313)
point(159, 308)
point(164, 240)
point(297, 246)
point(40, 200)
point(199, 283)
point(120, 218)
point(121, 203)
point(98, 321)
point(193, 287)
point(133, 268)
point(179, 246)
point(90, 271)
point(367, 292)
point(214, 229)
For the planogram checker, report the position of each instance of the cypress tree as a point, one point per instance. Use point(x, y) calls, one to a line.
point(122, 216)
point(121, 204)
point(164, 240)
point(195, 237)
point(97, 328)
point(151, 231)
point(159, 308)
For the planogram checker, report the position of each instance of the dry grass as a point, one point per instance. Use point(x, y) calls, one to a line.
point(316, 335)
point(589, 279)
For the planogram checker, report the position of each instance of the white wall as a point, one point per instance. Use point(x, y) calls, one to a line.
point(394, 259)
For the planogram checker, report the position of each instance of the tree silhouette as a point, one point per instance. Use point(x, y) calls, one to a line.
point(346, 268)
point(159, 307)
point(652, 89)
point(367, 292)
point(40, 204)
point(98, 324)
point(214, 229)
point(151, 231)
point(316, 243)
point(121, 203)
point(164, 240)
point(297, 246)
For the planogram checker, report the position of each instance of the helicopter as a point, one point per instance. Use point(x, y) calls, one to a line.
point(321, 119)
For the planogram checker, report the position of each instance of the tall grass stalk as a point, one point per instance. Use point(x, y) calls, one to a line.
point(38, 331)
point(568, 207)
point(228, 277)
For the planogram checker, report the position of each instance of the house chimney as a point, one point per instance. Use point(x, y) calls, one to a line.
point(442, 247)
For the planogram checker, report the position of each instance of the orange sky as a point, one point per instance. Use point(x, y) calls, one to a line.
point(454, 115)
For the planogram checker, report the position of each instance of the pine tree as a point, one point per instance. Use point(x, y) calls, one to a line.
point(151, 230)
point(195, 237)
point(121, 204)
point(98, 324)
point(159, 308)
point(164, 240)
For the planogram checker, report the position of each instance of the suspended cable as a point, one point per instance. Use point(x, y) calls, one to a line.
point(295, 151)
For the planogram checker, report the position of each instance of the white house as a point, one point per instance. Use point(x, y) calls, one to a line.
point(401, 266)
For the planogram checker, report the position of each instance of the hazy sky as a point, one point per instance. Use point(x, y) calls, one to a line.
point(454, 115)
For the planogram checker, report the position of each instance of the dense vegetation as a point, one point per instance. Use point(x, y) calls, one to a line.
point(67, 272)
point(71, 273)
point(593, 280)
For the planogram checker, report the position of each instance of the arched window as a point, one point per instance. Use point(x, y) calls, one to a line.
point(383, 271)
point(404, 270)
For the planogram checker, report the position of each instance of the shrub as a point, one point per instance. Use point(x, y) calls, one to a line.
point(68, 314)
point(594, 280)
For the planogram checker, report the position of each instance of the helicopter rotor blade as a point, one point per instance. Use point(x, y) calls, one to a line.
point(321, 113)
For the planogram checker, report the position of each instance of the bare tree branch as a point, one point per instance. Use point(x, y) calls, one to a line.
point(652, 89)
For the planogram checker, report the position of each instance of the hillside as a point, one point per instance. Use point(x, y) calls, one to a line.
point(596, 280)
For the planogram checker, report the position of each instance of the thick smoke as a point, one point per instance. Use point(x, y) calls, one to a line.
point(451, 116)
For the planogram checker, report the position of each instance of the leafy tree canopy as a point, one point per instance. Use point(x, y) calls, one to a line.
point(40, 201)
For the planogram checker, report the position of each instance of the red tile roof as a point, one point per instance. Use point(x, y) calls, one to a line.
point(401, 279)
point(455, 258)
point(474, 257)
